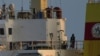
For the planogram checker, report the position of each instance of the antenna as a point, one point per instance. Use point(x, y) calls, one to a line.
point(22, 6)
point(60, 3)
point(50, 2)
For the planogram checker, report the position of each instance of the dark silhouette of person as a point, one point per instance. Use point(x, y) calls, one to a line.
point(72, 41)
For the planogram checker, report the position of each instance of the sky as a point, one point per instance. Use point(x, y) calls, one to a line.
point(73, 10)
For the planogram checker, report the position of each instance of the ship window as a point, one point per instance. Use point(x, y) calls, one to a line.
point(1, 31)
point(10, 31)
point(10, 45)
point(33, 10)
point(58, 23)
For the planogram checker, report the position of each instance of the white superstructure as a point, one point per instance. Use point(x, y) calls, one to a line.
point(38, 32)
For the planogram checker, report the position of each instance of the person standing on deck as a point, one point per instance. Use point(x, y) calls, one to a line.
point(72, 41)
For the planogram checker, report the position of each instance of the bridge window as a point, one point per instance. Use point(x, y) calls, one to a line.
point(10, 31)
point(1, 31)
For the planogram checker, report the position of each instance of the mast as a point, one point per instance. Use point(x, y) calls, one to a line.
point(38, 6)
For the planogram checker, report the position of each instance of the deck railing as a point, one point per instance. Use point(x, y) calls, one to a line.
point(78, 44)
point(34, 45)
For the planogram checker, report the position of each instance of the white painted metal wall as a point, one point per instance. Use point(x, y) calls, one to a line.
point(35, 29)
point(57, 27)
point(27, 30)
point(54, 26)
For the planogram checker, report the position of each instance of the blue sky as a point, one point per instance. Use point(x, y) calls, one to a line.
point(73, 10)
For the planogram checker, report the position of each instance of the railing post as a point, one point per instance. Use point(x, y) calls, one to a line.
point(75, 44)
point(20, 45)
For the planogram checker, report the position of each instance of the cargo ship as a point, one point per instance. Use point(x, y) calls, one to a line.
point(40, 31)
point(37, 32)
